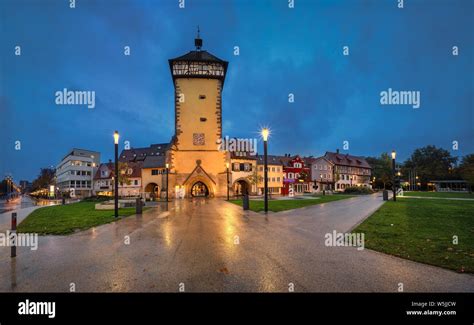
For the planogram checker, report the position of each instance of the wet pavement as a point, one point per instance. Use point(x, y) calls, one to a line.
point(213, 246)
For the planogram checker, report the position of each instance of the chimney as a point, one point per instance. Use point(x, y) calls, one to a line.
point(337, 151)
point(110, 161)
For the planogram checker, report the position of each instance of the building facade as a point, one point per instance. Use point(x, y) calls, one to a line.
point(275, 175)
point(103, 180)
point(243, 174)
point(335, 171)
point(75, 173)
point(296, 176)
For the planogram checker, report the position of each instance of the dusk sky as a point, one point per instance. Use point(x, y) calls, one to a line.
point(282, 51)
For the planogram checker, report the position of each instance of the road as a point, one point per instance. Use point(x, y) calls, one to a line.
point(213, 246)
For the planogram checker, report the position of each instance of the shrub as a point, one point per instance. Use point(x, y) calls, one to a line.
point(358, 190)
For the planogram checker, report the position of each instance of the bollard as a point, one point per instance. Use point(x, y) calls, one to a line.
point(63, 201)
point(138, 206)
point(245, 202)
point(13, 247)
point(385, 195)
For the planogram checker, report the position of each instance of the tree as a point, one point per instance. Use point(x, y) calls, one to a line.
point(381, 168)
point(45, 179)
point(432, 163)
point(124, 173)
point(466, 170)
point(254, 178)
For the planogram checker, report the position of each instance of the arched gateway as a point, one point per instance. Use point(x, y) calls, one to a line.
point(199, 189)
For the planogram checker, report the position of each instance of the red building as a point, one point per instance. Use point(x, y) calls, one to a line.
point(296, 175)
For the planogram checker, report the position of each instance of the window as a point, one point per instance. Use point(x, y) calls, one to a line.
point(235, 167)
point(135, 182)
point(273, 179)
point(320, 167)
point(278, 179)
point(203, 119)
point(325, 167)
point(154, 171)
point(273, 169)
point(291, 175)
point(202, 96)
point(261, 169)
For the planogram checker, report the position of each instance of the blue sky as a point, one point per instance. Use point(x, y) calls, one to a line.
point(282, 51)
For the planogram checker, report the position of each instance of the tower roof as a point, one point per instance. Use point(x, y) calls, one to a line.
point(198, 64)
point(200, 56)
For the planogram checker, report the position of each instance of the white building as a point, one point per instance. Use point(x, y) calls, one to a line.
point(75, 172)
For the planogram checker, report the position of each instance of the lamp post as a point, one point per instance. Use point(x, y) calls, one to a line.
point(373, 183)
point(167, 179)
point(321, 182)
point(7, 179)
point(265, 133)
point(416, 183)
point(394, 155)
point(227, 167)
point(116, 140)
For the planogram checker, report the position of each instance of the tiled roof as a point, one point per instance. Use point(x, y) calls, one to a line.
point(347, 160)
point(154, 162)
point(271, 159)
point(242, 155)
point(109, 166)
point(198, 56)
point(139, 154)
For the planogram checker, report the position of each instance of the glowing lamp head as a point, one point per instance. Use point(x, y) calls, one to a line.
point(116, 137)
point(265, 133)
point(227, 165)
point(394, 154)
point(167, 166)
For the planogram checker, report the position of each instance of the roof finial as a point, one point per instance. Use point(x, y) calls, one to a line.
point(198, 40)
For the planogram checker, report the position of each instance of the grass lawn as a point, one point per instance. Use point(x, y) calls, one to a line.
point(441, 194)
point(65, 219)
point(422, 230)
point(282, 205)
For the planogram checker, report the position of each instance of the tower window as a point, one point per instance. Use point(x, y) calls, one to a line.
point(202, 96)
point(203, 119)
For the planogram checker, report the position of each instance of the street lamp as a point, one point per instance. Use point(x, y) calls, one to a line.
point(416, 185)
point(373, 183)
point(265, 133)
point(394, 155)
point(227, 167)
point(116, 140)
point(167, 179)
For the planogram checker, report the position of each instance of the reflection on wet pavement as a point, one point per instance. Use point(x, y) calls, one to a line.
point(210, 245)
